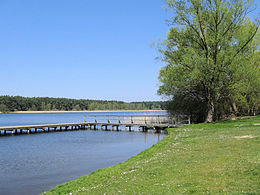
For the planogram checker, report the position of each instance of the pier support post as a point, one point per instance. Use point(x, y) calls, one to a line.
point(156, 129)
point(144, 128)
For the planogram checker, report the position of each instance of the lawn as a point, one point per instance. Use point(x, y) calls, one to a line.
point(216, 158)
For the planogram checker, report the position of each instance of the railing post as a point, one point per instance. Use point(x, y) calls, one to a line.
point(95, 119)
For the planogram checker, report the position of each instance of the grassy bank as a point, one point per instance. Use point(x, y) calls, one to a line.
point(214, 158)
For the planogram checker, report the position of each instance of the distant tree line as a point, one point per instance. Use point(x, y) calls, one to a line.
point(18, 103)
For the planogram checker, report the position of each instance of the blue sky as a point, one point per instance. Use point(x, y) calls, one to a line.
point(81, 49)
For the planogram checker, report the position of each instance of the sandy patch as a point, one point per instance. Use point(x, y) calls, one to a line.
point(244, 137)
point(257, 124)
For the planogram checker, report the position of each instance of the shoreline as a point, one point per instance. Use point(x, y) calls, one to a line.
point(74, 111)
point(148, 167)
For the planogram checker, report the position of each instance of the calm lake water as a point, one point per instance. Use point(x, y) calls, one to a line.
point(31, 164)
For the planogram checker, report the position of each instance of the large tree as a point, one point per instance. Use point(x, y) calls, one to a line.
point(205, 48)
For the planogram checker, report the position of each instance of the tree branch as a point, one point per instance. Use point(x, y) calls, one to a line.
point(247, 42)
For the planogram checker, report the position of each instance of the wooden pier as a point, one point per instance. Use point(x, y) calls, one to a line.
point(111, 123)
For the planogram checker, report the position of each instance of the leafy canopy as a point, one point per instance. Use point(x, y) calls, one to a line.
point(210, 45)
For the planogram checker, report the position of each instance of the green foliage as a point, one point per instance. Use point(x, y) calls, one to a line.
point(188, 105)
point(246, 89)
point(209, 48)
point(3, 108)
point(18, 103)
point(195, 159)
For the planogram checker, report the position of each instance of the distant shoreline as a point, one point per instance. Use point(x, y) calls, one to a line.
point(73, 111)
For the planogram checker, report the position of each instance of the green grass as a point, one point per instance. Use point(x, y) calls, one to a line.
point(195, 159)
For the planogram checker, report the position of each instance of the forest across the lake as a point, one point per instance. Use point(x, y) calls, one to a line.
point(19, 103)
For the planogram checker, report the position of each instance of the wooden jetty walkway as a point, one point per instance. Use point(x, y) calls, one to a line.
point(111, 123)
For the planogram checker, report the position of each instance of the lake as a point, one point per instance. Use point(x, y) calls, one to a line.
point(32, 164)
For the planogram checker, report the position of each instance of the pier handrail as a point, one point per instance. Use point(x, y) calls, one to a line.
point(111, 115)
point(147, 118)
point(144, 122)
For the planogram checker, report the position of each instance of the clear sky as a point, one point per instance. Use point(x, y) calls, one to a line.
point(81, 48)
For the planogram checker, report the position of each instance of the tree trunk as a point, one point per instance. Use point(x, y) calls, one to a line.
point(235, 108)
point(211, 110)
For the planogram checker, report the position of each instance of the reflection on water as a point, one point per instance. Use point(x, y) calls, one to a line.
point(31, 164)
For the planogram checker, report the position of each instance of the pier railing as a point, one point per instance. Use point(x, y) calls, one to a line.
point(138, 119)
point(104, 122)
